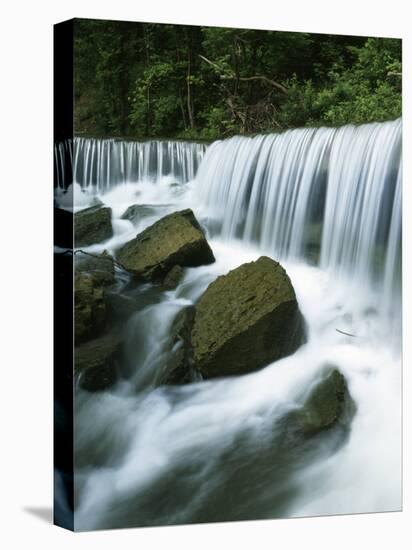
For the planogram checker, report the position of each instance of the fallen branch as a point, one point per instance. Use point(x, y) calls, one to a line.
point(100, 257)
point(233, 76)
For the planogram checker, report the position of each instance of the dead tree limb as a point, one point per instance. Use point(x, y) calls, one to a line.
point(232, 76)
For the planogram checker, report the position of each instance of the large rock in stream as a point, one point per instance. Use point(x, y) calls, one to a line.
point(175, 240)
point(92, 225)
point(246, 320)
point(99, 266)
point(93, 274)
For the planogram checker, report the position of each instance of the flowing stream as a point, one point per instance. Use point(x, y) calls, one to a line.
point(325, 202)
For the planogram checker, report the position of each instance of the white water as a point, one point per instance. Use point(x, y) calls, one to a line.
point(168, 455)
point(103, 163)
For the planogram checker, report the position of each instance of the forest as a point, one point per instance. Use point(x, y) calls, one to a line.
point(202, 83)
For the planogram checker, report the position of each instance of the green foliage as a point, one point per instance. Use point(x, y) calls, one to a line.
point(152, 80)
point(368, 90)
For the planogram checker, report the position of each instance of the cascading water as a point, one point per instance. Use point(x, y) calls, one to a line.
point(327, 202)
point(107, 162)
point(338, 190)
point(63, 162)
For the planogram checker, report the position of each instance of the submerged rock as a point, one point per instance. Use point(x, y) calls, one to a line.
point(92, 225)
point(312, 242)
point(97, 362)
point(176, 239)
point(246, 319)
point(90, 310)
point(137, 212)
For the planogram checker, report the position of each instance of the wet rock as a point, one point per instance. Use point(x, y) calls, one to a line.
point(97, 362)
point(179, 369)
point(137, 212)
point(121, 306)
point(173, 278)
point(90, 310)
point(328, 403)
point(99, 266)
point(92, 225)
point(176, 239)
point(246, 319)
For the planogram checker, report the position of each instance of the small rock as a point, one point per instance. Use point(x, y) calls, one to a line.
point(137, 212)
point(328, 403)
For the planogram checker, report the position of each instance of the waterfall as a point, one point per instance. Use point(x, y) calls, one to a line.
point(63, 162)
point(332, 193)
point(102, 163)
point(327, 202)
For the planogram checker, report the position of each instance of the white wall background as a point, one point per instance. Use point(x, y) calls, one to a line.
point(26, 270)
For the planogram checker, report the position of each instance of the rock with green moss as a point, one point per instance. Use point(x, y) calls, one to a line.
point(92, 225)
point(90, 310)
point(328, 403)
point(97, 362)
point(176, 239)
point(99, 266)
point(246, 319)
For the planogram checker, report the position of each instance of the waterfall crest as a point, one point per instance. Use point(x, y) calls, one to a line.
point(102, 163)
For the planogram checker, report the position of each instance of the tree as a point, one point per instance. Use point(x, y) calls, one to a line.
point(152, 80)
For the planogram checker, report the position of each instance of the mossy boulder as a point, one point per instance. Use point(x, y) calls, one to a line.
point(176, 239)
point(92, 225)
point(97, 362)
point(246, 319)
point(99, 266)
point(90, 310)
point(328, 403)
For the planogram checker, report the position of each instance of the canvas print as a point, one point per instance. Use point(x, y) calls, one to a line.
point(228, 235)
